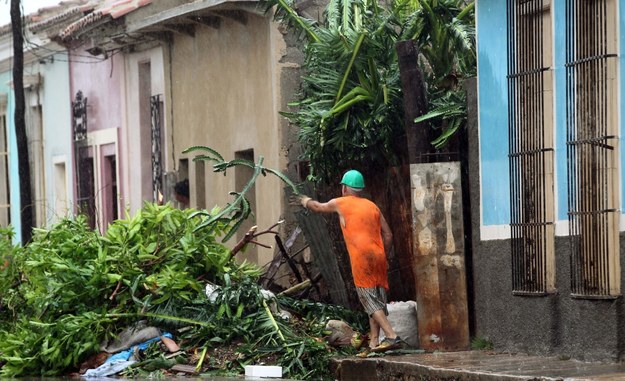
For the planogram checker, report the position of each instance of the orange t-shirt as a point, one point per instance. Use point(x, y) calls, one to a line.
point(363, 237)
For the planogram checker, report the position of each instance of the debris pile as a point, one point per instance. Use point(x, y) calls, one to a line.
point(153, 296)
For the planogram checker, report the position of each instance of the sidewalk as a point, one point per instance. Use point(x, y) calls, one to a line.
point(472, 365)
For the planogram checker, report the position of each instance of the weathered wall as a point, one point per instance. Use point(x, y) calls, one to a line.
point(48, 120)
point(101, 81)
point(57, 129)
point(226, 87)
point(14, 197)
point(136, 145)
point(556, 324)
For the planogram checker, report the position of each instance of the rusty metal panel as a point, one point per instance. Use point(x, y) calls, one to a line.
point(439, 258)
point(317, 236)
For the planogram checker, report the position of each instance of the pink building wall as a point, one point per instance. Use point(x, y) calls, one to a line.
point(102, 82)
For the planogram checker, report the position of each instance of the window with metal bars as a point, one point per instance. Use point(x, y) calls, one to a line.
point(83, 161)
point(531, 140)
point(156, 118)
point(592, 151)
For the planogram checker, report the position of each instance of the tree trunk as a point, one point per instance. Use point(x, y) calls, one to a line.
point(20, 122)
point(418, 135)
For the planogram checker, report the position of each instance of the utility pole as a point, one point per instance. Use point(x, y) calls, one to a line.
point(26, 207)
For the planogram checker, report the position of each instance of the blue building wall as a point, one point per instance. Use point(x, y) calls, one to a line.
point(14, 180)
point(57, 123)
point(621, 60)
point(56, 119)
point(559, 58)
point(493, 109)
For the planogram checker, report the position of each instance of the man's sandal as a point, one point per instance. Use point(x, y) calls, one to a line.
point(388, 344)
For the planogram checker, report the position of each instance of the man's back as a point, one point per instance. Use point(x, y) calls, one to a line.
point(361, 226)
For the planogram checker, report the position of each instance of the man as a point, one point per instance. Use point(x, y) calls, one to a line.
point(368, 238)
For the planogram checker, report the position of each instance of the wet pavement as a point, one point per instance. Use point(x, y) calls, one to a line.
point(472, 365)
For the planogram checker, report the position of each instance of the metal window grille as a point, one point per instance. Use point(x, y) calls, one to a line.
point(156, 106)
point(530, 151)
point(84, 164)
point(591, 140)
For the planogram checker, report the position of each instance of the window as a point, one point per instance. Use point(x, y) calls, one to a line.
point(147, 117)
point(156, 117)
point(5, 207)
point(200, 185)
point(34, 131)
point(183, 173)
point(531, 141)
point(83, 160)
point(592, 150)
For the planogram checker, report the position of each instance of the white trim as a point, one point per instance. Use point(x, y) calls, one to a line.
point(562, 228)
point(57, 159)
point(60, 160)
point(96, 139)
point(495, 232)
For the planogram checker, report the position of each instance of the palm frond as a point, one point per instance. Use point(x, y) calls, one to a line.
point(333, 14)
point(211, 151)
point(285, 12)
point(346, 15)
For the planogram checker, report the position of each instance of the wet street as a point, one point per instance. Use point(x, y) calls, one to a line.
point(474, 365)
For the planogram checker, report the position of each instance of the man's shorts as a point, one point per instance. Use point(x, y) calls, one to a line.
point(372, 299)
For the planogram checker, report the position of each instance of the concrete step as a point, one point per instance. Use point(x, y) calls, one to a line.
point(471, 365)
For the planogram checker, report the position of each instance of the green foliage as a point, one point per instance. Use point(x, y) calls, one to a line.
point(77, 285)
point(351, 108)
point(481, 343)
point(445, 33)
point(11, 300)
point(239, 210)
point(45, 348)
point(72, 289)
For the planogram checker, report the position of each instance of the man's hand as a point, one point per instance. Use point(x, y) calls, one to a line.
point(303, 199)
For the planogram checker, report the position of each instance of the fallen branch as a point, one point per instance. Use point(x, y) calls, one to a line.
point(250, 237)
point(297, 288)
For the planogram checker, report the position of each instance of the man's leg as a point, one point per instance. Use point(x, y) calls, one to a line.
point(382, 322)
point(374, 334)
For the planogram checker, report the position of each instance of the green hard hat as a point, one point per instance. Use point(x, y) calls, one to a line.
point(353, 179)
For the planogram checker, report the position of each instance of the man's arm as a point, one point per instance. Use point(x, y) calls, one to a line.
point(387, 235)
point(320, 207)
